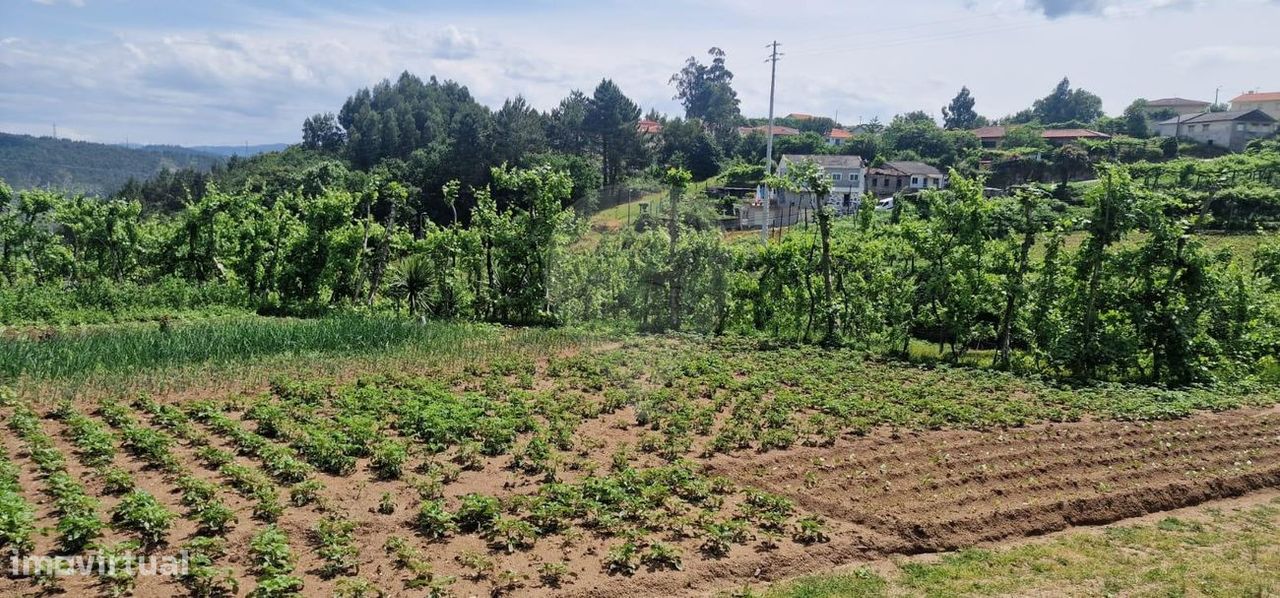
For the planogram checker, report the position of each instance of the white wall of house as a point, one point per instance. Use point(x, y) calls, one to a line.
point(927, 181)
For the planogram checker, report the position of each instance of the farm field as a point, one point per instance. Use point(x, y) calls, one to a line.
point(1227, 549)
point(628, 467)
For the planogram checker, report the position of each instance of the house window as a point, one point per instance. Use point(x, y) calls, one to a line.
point(915, 180)
point(853, 178)
point(1239, 126)
point(835, 176)
point(1204, 127)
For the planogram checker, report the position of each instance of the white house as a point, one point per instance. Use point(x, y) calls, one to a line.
point(848, 180)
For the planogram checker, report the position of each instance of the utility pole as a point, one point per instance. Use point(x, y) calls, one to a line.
point(768, 152)
point(673, 231)
point(55, 130)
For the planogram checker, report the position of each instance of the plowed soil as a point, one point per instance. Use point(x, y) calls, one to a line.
point(949, 489)
point(883, 494)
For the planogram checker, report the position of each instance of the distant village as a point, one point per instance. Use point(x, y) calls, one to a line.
point(1252, 115)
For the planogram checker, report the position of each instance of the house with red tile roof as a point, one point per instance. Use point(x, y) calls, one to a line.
point(1268, 102)
point(991, 137)
point(838, 136)
point(647, 128)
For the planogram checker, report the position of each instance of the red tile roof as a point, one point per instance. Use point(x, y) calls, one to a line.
point(989, 132)
point(649, 127)
point(839, 134)
point(1266, 96)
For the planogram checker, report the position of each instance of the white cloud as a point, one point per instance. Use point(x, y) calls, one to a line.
point(453, 43)
point(1062, 8)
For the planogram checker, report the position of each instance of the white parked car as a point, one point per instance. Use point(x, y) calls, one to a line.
point(885, 204)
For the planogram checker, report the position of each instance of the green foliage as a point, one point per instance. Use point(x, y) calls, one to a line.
point(335, 541)
point(1066, 105)
point(477, 513)
point(959, 114)
point(433, 520)
point(389, 458)
point(232, 341)
point(140, 512)
point(706, 91)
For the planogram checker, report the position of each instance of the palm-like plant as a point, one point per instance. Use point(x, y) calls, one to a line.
point(410, 278)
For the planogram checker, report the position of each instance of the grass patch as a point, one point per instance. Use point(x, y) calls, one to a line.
point(859, 584)
point(1215, 554)
point(133, 349)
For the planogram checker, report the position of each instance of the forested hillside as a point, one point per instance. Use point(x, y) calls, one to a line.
point(79, 166)
point(243, 151)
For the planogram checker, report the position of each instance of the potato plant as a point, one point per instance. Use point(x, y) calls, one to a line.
point(141, 513)
point(78, 521)
point(273, 563)
point(423, 574)
point(17, 517)
point(334, 538)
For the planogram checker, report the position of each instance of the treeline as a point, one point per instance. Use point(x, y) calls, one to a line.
point(304, 251)
point(1140, 299)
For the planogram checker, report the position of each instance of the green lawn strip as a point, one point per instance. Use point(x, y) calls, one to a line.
point(1217, 554)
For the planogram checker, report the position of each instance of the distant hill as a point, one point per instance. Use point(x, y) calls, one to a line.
point(92, 168)
point(243, 151)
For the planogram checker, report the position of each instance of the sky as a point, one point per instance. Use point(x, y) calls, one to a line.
point(230, 72)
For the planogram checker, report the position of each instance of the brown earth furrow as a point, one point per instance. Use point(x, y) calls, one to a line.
point(1056, 484)
point(1048, 478)
point(929, 455)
